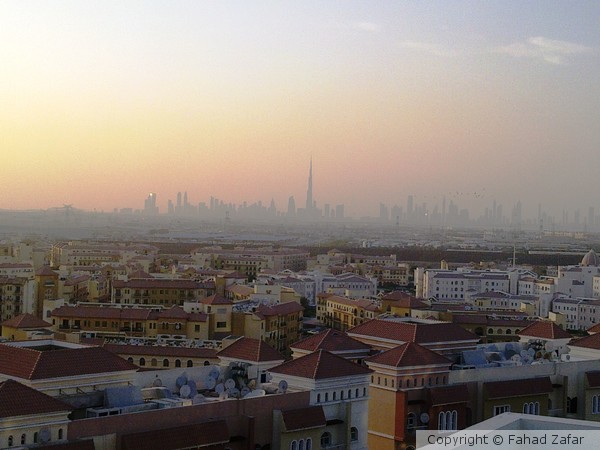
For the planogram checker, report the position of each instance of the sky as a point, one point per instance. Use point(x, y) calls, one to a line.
point(103, 102)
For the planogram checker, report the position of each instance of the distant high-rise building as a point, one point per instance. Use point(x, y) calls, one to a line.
point(327, 210)
point(339, 211)
point(291, 212)
point(384, 212)
point(409, 206)
point(309, 192)
point(179, 200)
point(150, 204)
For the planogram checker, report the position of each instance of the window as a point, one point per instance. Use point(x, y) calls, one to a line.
point(326, 439)
point(595, 404)
point(142, 362)
point(10, 441)
point(326, 396)
point(411, 420)
point(308, 444)
point(60, 433)
point(177, 363)
point(154, 362)
point(354, 434)
point(318, 398)
point(35, 437)
point(23, 438)
point(221, 324)
point(301, 444)
point(448, 420)
point(501, 409)
point(165, 362)
point(294, 445)
point(190, 363)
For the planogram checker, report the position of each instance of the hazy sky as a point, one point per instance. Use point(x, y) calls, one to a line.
point(102, 102)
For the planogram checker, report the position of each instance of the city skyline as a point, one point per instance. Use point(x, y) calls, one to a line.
point(103, 103)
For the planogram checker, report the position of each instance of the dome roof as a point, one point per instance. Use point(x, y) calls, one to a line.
point(590, 259)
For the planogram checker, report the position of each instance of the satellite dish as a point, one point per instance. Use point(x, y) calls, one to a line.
point(424, 417)
point(268, 376)
point(181, 380)
point(223, 395)
point(234, 393)
point(193, 387)
point(157, 382)
point(214, 373)
point(257, 393)
point(567, 357)
point(219, 389)
point(245, 391)
point(549, 346)
point(45, 435)
point(283, 386)
point(185, 391)
point(210, 383)
point(229, 383)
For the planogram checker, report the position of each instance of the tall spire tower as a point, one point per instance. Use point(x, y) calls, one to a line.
point(309, 195)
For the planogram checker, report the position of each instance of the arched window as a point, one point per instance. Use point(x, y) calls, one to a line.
point(364, 392)
point(154, 362)
point(293, 445)
point(356, 394)
point(334, 396)
point(10, 441)
point(35, 437)
point(207, 363)
point(165, 362)
point(349, 393)
point(301, 444)
point(190, 363)
point(142, 361)
point(341, 395)
point(526, 408)
point(490, 331)
point(130, 359)
point(326, 439)
point(308, 444)
point(177, 363)
point(508, 331)
point(23, 439)
point(326, 396)
point(354, 434)
point(318, 398)
point(442, 421)
point(60, 433)
point(454, 420)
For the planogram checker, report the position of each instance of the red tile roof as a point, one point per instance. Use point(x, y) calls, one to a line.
point(186, 436)
point(26, 321)
point(544, 329)
point(248, 349)
point(175, 312)
point(19, 400)
point(422, 333)
point(46, 271)
point(592, 341)
point(409, 354)
point(157, 283)
point(517, 388)
point(304, 418)
point(594, 329)
point(216, 300)
point(31, 364)
point(320, 365)
point(332, 341)
point(154, 350)
point(279, 309)
point(447, 395)
point(99, 312)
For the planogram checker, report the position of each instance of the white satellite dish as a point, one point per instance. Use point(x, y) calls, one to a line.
point(214, 373)
point(181, 380)
point(424, 417)
point(549, 346)
point(185, 391)
point(257, 393)
point(245, 391)
point(219, 388)
point(210, 383)
point(283, 386)
point(157, 382)
point(223, 395)
point(234, 393)
point(229, 383)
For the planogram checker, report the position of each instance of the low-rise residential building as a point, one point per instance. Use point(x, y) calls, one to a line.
point(342, 313)
point(160, 292)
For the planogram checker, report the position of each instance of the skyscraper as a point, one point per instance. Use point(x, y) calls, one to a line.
point(309, 193)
